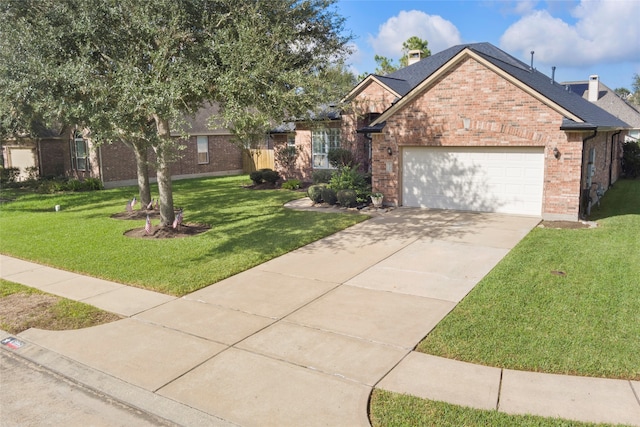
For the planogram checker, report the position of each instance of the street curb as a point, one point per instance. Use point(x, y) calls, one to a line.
point(164, 409)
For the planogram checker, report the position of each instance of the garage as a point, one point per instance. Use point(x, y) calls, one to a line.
point(484, 179)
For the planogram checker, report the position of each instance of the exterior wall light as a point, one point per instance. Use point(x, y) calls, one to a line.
point(556, 153)
point(389, 151)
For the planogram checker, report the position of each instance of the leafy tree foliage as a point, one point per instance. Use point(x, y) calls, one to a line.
point(386, 65)
point(131, 69)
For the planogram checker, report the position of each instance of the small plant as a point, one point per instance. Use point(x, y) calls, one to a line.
point(315, 192)
point(350, 178)
point(74, 185)
point(286, 157)
point(347, 198)
point(329, 195)
point(322, 176)
point(292, 184)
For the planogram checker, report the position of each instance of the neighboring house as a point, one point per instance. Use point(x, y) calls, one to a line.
point(70, 153)
point(593, 90)
point(473, 128)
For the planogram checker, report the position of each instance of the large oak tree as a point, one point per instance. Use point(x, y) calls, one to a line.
point(124, 67)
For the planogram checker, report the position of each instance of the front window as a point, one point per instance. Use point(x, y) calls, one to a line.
point(79, 152)
point(291, 140)
point(324, 140)
point(203, 149)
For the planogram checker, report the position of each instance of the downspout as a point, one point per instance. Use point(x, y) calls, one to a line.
point(611, 160)
point(584, 199)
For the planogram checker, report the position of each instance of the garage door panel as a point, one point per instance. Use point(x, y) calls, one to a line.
point(493, 179)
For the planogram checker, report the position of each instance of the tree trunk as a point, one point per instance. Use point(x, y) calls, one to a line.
point(163, 172)
point(142, 167)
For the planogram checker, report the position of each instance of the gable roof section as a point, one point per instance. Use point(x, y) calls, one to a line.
point(578, 113)
point(609, 101)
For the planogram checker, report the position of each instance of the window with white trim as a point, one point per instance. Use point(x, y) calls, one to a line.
point(291, 139)
point(203, 149)
point(79, 152)
point(323, 140)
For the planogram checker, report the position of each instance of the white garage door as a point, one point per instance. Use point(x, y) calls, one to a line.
point(486, 179)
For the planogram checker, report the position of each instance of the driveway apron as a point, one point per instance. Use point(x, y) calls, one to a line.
point(303, 338)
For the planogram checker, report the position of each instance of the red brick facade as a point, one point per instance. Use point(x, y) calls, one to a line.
point(471, 105)
point(119, 164)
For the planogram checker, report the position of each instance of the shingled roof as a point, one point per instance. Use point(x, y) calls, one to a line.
point(407, 79)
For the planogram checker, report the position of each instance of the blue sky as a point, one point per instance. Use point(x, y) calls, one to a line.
point(579, 38)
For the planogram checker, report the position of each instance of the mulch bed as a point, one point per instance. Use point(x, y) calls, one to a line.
point(157, 232)
point(567, 224)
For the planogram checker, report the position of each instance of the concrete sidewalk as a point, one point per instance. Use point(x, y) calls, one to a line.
point(303, 338)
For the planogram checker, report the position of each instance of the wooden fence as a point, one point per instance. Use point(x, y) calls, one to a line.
point(252, 160)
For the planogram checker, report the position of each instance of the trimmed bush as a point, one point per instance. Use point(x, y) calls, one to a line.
point(292, 184)
point(270, 176)
point(321, 176)
point(347, 198)
point(315, 192)
point(329, 195)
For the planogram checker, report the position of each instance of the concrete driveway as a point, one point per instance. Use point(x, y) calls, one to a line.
point(303, 338)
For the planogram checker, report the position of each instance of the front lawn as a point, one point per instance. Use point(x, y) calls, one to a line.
point(248, 227)
point(397, 410)
point(562, 301)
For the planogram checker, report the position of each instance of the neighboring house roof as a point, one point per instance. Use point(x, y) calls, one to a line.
point(579, 113)
point(608, 100)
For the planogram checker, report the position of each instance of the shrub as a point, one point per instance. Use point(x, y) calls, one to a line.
point(349, 178)
point(256, 177)
point(93, 184)
point(9, 175)
point(270, 176)
point(321, 176)
point(631, 159)
point(292, 184)
point(315, 192)
point(74, 185)
point(340, 158)
point(329, 195)
point(286, 157)
point(347, 198)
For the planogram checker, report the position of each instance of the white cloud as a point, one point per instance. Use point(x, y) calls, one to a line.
point(439, 32)
point(606, 31)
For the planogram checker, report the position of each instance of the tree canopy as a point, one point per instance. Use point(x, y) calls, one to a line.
point(385, 65)
point(121, 66)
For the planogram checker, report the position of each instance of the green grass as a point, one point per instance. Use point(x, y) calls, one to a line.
point(521, 316)
point(397, 410)
point(249, 227)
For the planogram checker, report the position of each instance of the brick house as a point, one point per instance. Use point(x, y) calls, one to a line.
point(71, 153)
point(473, 128)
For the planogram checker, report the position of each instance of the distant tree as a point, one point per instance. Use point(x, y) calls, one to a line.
point(635, 97)
point(414, 43)
point(386, 65)
point(622, 92)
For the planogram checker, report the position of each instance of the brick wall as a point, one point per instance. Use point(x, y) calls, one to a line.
point(498, 113)
point(119, 164)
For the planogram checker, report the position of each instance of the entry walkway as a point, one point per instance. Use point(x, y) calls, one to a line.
point(304, 338)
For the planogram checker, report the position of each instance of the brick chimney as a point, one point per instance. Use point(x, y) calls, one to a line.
point(594, 88)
